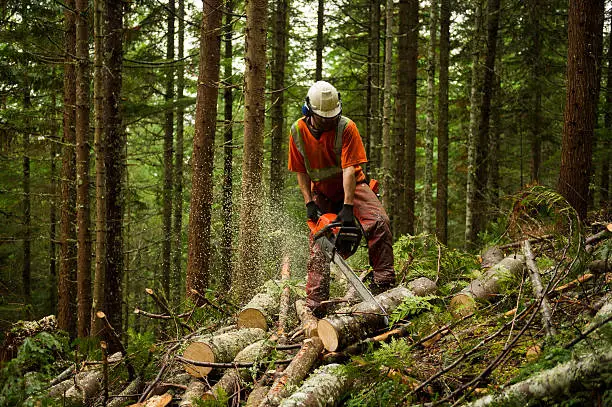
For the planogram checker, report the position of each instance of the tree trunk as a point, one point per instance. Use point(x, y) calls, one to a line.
point(442, 170)
point(374, 134)
point(320, 43)
point(534, 61)
point(261, 308)
point(231, 382)
point(338, 331)
point(198, 262)
point(279, 60)
point(485, 287)
point(550, 384)
point(219, 349)
point(409, 175)
point(324, 387)
point(584, 26)
point(471, 215)
point(177, 258)
point(52, 305)
point(168, 154)
point(299, 368)
point(114, 156)
point(100, 151)
point(429, 132)
point(82, 170)
point(387, 157)
point(247, 277)
point(227, 233)
point(67, 269)
point(497, 126)
point(26, 270)
point(604, 199)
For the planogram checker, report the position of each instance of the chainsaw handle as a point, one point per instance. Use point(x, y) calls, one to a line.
point(327, 227)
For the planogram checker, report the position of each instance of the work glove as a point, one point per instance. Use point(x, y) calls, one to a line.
point(346, 216)
point(313, 212)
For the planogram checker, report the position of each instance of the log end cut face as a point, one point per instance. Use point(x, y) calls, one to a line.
point(202, 352)
point(252, 318)
point(328, 334)
point(462, 305)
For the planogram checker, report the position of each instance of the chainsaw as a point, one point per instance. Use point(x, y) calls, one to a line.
point(339, 243)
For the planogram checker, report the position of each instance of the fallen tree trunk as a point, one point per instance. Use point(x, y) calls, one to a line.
point(258, 312)
point(294, 373)
point(560, 380)
point(538, 290)
point(195, 390)
point(485, 287)
point(128, 393)
point(338, 331)
point(284, 302)
point(309, 322)
point(230, 381)
point(257, 396)
point(322, 388)
point(221, 348)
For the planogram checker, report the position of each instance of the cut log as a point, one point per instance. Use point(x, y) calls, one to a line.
point(221, 348)
point(258, 312)
point(230, 382)
point(156, 401)
point(309, 322)
point(257, 396)
point(422, 286)
point(195, 390)
point(485, 287)
point(558, 381)
point(322, 388)
point(361, 320)
point(128, 393)
point(87, 388)
point(538, 290)
point(285, 301)
point(491, 257)
point(294, 373)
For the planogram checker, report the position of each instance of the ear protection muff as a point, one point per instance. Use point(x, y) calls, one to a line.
point(306, 109)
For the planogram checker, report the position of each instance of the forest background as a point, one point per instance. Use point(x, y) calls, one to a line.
point(107, 140)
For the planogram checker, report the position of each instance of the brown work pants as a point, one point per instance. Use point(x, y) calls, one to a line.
point(375, 222)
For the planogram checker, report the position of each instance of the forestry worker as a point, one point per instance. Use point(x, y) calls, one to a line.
point(325, 152)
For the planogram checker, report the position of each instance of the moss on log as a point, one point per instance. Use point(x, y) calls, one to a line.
point(263, 307)
point(323, 388)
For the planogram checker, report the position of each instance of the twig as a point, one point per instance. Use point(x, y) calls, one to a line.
point(117, 341)
point(144, 313)
point(231, 365)
point(534, 274)
point(587, 332)
point(520, 242)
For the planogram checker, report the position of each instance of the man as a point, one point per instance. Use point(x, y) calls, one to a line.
point(326, 151)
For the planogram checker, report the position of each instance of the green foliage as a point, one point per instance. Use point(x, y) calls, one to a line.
point(412, 305)
point(36, 363)
point(419, 256)
point(222, 399)
point(142, 348)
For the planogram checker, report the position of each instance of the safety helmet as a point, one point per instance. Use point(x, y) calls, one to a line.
point(324, 100)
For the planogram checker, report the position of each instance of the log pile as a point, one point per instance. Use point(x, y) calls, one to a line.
point(271, 359)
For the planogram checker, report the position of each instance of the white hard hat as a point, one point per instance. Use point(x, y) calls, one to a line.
point(324, 100)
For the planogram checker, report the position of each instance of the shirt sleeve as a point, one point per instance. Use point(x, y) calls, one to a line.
point(353, 152)
point(296, 160)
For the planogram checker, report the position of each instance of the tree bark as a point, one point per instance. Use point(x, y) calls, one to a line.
point(168, 154)
point(198, 263)
point(246, 277)
point(299, 368)
point(320, 42)
point(429, 131)
point(604, 200)
point(227, 233)
point(485, 287)
point(114, 136)
point(67, 267)
point(534, 61)
point(560, 380)
point(258, 312)
point(442, 170)
point(177, 233)
point(279, 60)
point(324, 387)
point(26, 269)
point(309, 322)
point(584, 26)
point(338, 331)
point(194, 392)
point(373, 135)
point(82, 170)
point(538, 290)
point(100, 151)
point(387, 161)
point(52, 304)
point(220, 348)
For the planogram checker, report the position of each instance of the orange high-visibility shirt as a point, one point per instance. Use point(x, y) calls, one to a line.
point(321, 154)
